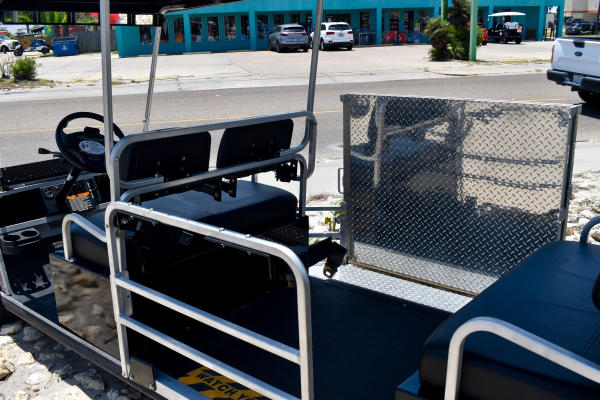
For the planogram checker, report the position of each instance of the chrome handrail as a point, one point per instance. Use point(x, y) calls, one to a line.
point(86, 225)
point(121, 285)
point(518, 336)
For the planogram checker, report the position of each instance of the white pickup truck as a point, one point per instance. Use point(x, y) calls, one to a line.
point(10, 45)
point(576, 63)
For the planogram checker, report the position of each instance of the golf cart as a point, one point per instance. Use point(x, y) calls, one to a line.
point(506, 31)
point(193, 281)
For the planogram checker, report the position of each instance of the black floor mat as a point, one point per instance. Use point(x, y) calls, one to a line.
point(365, 344)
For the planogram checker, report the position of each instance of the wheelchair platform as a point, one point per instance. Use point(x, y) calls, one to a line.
point(352, 332)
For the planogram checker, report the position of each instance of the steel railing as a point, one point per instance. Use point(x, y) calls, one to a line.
point(122, 287)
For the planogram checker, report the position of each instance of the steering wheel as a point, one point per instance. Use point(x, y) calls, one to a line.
point(84, 150)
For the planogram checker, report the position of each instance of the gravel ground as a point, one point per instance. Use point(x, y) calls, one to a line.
point(35, 367)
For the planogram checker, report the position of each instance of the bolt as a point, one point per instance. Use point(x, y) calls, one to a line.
point(152, 386)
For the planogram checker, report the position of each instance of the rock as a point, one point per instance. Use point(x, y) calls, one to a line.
point(38, 398)
point(90, 380)
point(38, 378)
point(4, 372)
point(573, 219)
point(63, 371)
point(97, 310)
point(91, 332)
point(112, 395)
point(570, 232)
point(65, 318)
point(589, 214)
point(135, 395)
point(4, 340)
point(41, 344)
point(11, 329)
point(50, 356)
point(30, 334)
point(84, 280)
point(110, 321)
point(60, 347)
point(34, 389)
point(596, 236)
point(21, 395)
point(26, 359)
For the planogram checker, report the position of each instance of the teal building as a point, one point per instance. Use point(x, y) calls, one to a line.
point(246, 25)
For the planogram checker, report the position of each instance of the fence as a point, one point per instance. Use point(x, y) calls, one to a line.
point(89, 42)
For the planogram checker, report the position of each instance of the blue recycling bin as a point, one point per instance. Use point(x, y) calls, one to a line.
point(65, 46)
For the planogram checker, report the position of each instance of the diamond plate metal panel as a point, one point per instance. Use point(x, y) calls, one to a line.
point(454, 192)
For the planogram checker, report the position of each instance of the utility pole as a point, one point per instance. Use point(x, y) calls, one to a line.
point(474, 30)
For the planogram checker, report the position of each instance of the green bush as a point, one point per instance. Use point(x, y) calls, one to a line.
point(24, 69)
point(438, 32)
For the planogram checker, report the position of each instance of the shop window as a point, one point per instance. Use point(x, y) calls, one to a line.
point(365, 21)
point(164, 33)
point(278, 19)
point(339, 18)
point(145, 35)
point(294, 18)
point(245, 21)
point(178, 30)
point(196, 28)
point(230, 28)
point(262, 26)
point(409, 21)
point(382, 21)
point(143, 19)
point(423, 19)
point(394, 21)
point(213, 29)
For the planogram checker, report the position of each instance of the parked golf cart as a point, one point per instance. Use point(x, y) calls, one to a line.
point(39, 45)
point(506, 31)
point(201, 282)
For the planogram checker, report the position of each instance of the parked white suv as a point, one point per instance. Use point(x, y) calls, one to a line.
point(334, 34)
point(10, 45)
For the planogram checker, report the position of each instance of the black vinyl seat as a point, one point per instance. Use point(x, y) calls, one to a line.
point(549, 295)
point(256, 208)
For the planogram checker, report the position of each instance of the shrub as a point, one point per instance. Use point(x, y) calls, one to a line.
point(24, 69)
point(6, 63)
point(438, 32)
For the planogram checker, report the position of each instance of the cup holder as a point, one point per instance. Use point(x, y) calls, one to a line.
point(16, 243)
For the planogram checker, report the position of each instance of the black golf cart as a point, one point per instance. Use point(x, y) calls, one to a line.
point(200, 281)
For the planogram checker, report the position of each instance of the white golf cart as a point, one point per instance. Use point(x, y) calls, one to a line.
point(199, 281)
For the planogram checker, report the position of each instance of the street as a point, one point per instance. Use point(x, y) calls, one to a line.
point(22, 130)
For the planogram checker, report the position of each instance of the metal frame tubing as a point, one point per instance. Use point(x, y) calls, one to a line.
point(4, 277)
point(518, 336)
point(120, 282)
point(312, 83)
point(155, 48)
point(105, 41)
point(86, 225)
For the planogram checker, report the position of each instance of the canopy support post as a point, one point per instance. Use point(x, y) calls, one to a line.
point(473, 31)
point(155, 48)
point(312, 85)
point(105, 44)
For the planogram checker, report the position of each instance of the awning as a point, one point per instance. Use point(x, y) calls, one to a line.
point(116, 6)
point(507, 14)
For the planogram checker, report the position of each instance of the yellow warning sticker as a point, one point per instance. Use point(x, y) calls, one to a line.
point(218, 387)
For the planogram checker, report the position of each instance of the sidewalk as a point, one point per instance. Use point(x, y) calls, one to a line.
point(208, 71)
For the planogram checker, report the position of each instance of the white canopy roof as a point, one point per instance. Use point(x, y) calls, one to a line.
point(507, 14)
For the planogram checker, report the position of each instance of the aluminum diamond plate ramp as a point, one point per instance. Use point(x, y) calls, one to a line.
point(454, 193)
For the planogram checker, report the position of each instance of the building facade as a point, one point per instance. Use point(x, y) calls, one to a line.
point(246, 25)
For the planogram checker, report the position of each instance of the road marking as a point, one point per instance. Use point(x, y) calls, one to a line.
point(167, 122)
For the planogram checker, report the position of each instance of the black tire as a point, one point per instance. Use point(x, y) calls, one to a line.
point(305, 49)
point(505, 41)
point(277, 47)
point(4, 49)
point(592, 98)
point(349, 48)
point(45, 50)
point(19, 52)
point(518, 41)
point(310, 43)
point(483, 43)
point(322, 45)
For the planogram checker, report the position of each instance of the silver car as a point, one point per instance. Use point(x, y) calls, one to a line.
point(289, 36)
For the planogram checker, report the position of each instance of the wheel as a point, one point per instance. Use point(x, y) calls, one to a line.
point(305, 49)
point(505, 40)
point(484, 43)
point(277, 47)
point(518, 41)
point(349, 48)
point(592, 98)
point(322, 45)
point(310, 43)
point(45, 50)
point(4, 49)
point(19, 52)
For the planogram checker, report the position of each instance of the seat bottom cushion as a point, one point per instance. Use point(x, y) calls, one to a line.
point(549, 295)
point(255, 209)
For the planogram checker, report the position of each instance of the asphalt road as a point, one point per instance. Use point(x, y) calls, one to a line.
point(27, 125)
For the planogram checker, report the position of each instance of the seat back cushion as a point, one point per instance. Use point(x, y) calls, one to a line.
point(256, 142)
point(171, 157)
